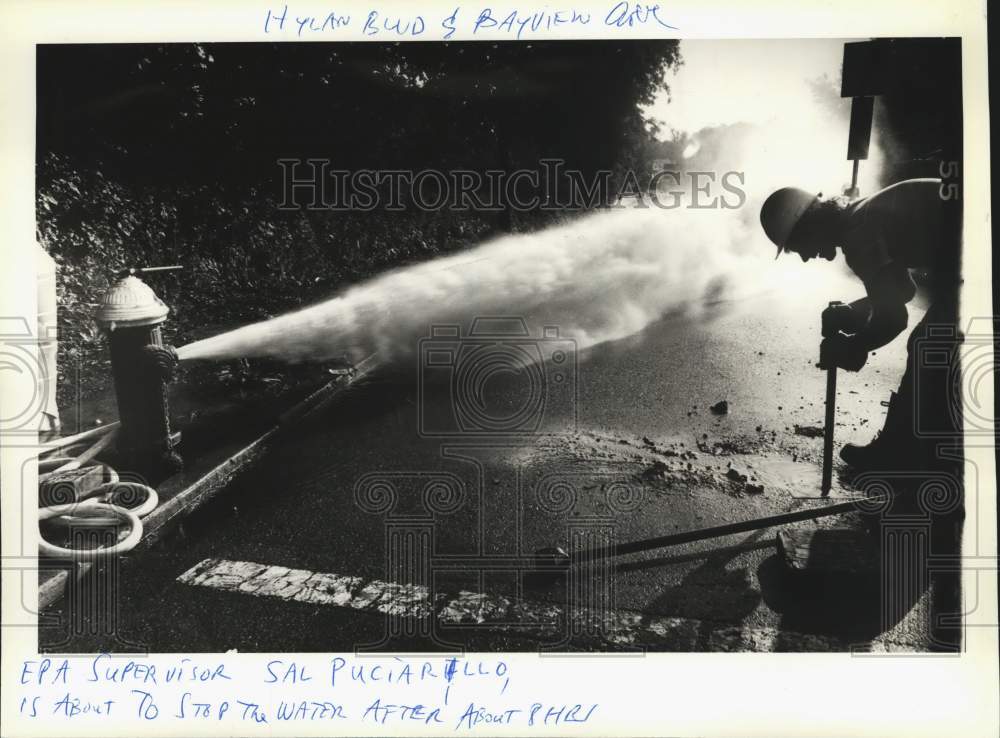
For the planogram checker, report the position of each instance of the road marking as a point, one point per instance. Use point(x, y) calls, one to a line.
point(579, 627)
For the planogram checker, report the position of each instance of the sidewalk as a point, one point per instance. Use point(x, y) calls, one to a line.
point(226, 426)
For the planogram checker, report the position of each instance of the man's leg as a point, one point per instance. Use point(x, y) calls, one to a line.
point(921, 419)
point(931, 386)
point(925, 401)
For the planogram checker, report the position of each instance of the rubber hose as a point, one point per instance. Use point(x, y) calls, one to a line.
point(107, 492)
point(90, 510)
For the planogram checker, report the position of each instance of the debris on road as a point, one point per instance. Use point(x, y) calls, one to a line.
point(746, 483)
point(726, 446)
point(657, 470)
point(738, 466)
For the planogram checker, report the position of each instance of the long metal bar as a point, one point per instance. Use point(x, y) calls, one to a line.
point(147, 270)
point(831, 406)
point(675, 539)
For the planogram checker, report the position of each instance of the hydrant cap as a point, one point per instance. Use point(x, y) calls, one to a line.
point(131, 302)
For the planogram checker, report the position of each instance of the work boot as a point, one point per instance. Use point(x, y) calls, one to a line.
point(893, 448)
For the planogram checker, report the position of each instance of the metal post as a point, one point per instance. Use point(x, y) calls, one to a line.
point(828, 328)
point(744, 526)
point(831, 404)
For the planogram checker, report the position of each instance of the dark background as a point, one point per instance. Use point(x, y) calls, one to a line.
point(162, 154)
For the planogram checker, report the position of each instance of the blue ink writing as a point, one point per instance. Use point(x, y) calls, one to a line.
point(449, 24)
point(293, 673)
point(554, 716)
point(29, 672)
point(473, 716)
point(624, 15)
point(379, 713)
point(375, 24)
point(517, 24)
point(278, 19)
point(310, 710)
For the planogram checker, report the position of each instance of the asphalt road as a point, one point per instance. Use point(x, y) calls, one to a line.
point(627, 448)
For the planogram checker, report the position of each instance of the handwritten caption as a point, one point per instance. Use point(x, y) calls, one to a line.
point(456, 694)
point(516, 24)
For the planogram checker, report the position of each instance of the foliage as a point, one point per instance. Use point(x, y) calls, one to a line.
point(163, 154)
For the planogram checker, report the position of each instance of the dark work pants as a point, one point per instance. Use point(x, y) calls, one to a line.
point(930, 400)
point(930, 393)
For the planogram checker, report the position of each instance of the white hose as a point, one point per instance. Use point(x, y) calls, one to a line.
point(106, 493)
point(58, 444)
point(76, 461)
point(90, 453)
point(112, 490)
point(92, 510)
point(71, 450)
point(51, 463)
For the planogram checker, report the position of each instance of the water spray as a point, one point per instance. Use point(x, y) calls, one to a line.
point(599, 277)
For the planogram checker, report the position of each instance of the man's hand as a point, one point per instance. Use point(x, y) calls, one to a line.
point(848, 319)
point(840, 351)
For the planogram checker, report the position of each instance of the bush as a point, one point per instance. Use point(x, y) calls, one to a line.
point(244, 260)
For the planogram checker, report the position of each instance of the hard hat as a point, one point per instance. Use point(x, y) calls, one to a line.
point(782, 210)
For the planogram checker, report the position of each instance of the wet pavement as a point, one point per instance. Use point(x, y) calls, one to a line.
point(395, 485)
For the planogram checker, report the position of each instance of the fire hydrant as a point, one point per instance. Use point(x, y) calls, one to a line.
point(131, 314)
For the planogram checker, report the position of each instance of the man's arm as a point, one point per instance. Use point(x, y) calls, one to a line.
point(849, 318)
point(888, 293)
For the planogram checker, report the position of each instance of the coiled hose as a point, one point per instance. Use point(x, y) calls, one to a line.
point(109, 505)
